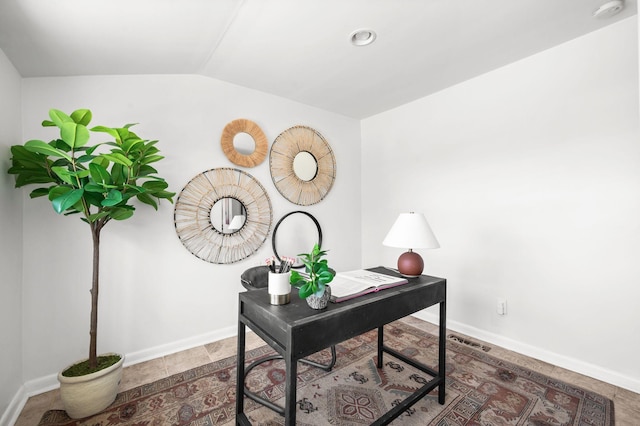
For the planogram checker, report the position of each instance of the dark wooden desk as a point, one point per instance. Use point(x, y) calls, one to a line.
point(296, 331)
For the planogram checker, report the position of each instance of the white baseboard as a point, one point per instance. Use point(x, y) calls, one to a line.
point(180, 345)
point(10, 415)
point(569, 363)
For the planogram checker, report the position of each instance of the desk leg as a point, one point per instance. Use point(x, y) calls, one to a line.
point(290, 390)
point(380, 344)
point(442, 355)
point(240, 371)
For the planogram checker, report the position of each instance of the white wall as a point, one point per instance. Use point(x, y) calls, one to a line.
point(529, 176)
point(10, 238)
point(155, 294)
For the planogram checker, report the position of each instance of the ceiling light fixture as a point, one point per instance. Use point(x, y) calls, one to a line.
point(362, 37)
point(609, 9)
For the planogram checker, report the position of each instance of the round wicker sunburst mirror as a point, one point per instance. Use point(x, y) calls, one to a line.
point(242, 127)
point(302, 165)
point(223, 215)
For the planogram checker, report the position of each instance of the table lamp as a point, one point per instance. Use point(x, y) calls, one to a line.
point(410, 231)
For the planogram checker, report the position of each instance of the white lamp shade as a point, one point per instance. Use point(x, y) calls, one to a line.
point(410, 231)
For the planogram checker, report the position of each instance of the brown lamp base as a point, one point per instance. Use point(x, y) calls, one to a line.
point(410, 264)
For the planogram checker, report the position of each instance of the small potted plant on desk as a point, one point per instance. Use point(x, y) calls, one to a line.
point(313, 286)
point(96, 183)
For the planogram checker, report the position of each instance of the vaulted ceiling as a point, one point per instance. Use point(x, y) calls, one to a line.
point(297, 49)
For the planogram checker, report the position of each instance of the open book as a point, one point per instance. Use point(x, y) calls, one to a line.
point(347, 285)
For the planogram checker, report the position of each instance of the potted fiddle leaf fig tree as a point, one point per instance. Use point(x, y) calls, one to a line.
point(98, 183)
point(313, 285)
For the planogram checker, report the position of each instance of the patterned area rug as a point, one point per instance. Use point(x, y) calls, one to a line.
point(481, 390)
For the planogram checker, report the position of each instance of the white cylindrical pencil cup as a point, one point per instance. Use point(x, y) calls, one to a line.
point(279, 288)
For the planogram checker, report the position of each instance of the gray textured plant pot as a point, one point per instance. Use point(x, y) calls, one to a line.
point(316, 302)
point(85, 396)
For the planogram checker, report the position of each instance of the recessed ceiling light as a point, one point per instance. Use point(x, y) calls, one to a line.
point(362, 37)
point(609, 9)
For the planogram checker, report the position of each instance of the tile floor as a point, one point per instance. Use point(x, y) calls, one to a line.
point(626, 403)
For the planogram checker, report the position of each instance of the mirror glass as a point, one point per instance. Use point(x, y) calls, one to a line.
point(228, 215)
point(297, 232)
point(305, 166)
point(244, 143)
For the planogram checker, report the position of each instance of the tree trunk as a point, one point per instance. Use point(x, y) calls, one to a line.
point(93, 331)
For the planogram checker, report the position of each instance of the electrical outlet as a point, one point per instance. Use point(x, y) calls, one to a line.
point(501, 307)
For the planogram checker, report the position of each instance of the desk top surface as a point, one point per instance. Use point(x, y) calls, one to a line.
point(298, 308)
point(348, 318)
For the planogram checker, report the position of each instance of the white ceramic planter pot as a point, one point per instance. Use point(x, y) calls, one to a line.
point(88, 395)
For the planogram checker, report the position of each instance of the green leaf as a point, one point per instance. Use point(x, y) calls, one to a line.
point(123, 134)
point(147, 199)
point(165, 194)
point(317, 267)
point(99, 174)
point(99, 215)
point(81, 116)
point(146, 170)
point(58, 191)
point(65, 201)
point(113, 198)
point(81, 173)
point(78, 207)
point(29, 180)
point(94, 187)
point(75, 135)
point(44, 148)
point(306, 291)
point(296, 279)
point(121, 213)
point(126, 196)
point(85, 158)
point(134, 188)
point(108, 130)
point(48, 123)
point(24, 160)
point(64, 174)
point(155, 185)
point(91, 149)
point(325, 277)
point(101, 161)
point(94, 198)
point(151, 159)
point(130, 143)
point(39, 192)
point(19, 152)
point(117, 158)
point(119, 174)
point(61, 145)
point(58, 117)
point(320, 291)
point(26, 176)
